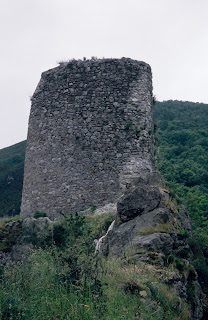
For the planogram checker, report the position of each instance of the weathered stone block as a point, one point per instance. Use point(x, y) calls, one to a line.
point(138, 201)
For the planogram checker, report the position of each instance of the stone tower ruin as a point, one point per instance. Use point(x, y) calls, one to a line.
point(90, 133)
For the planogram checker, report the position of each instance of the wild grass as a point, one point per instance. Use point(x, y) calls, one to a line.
point(6, 220)
point(162, 227)
point(66, 281)
point(38, 291)
point(99, 224)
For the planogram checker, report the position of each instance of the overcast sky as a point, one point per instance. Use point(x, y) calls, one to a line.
point(170, 35)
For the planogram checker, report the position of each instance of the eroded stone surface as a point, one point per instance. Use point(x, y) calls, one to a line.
point(90, 133)
point(146, 221)
point(138, 201)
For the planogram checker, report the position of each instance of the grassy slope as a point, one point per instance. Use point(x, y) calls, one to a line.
point(65, 280)
point(11, 178)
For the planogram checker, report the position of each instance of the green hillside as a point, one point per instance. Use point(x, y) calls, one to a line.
point(182, 156)
point(11, 178)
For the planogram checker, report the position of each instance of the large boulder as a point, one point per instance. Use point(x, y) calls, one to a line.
point(34, 230)
point(147, 220)
point(137, 201)
point(154, 231)
point(18, 238)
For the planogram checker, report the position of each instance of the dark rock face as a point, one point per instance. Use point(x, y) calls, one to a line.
point(145, 220)
point(138, 201)
point(127, 236)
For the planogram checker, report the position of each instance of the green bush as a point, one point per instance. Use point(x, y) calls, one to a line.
point(184, 253)
point(184, 234)
point(39, 215)
point(201, 269)
point(92, 209)
point(179, 264)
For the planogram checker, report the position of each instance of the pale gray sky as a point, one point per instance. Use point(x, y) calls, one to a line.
point(170, 35)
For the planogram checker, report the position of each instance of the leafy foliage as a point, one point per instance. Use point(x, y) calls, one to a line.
point(182, 159)
point(39, 215)
point(183, 154)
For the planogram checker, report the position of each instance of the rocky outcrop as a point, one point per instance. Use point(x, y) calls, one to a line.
point(9, 233)
point(137, 201)
point(18, 238)
point(152, 227)
point(147, 219)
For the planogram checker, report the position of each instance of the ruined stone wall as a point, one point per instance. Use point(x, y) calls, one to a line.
point(90, 132)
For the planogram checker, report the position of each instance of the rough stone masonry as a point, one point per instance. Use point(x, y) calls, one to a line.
point(90, 133)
